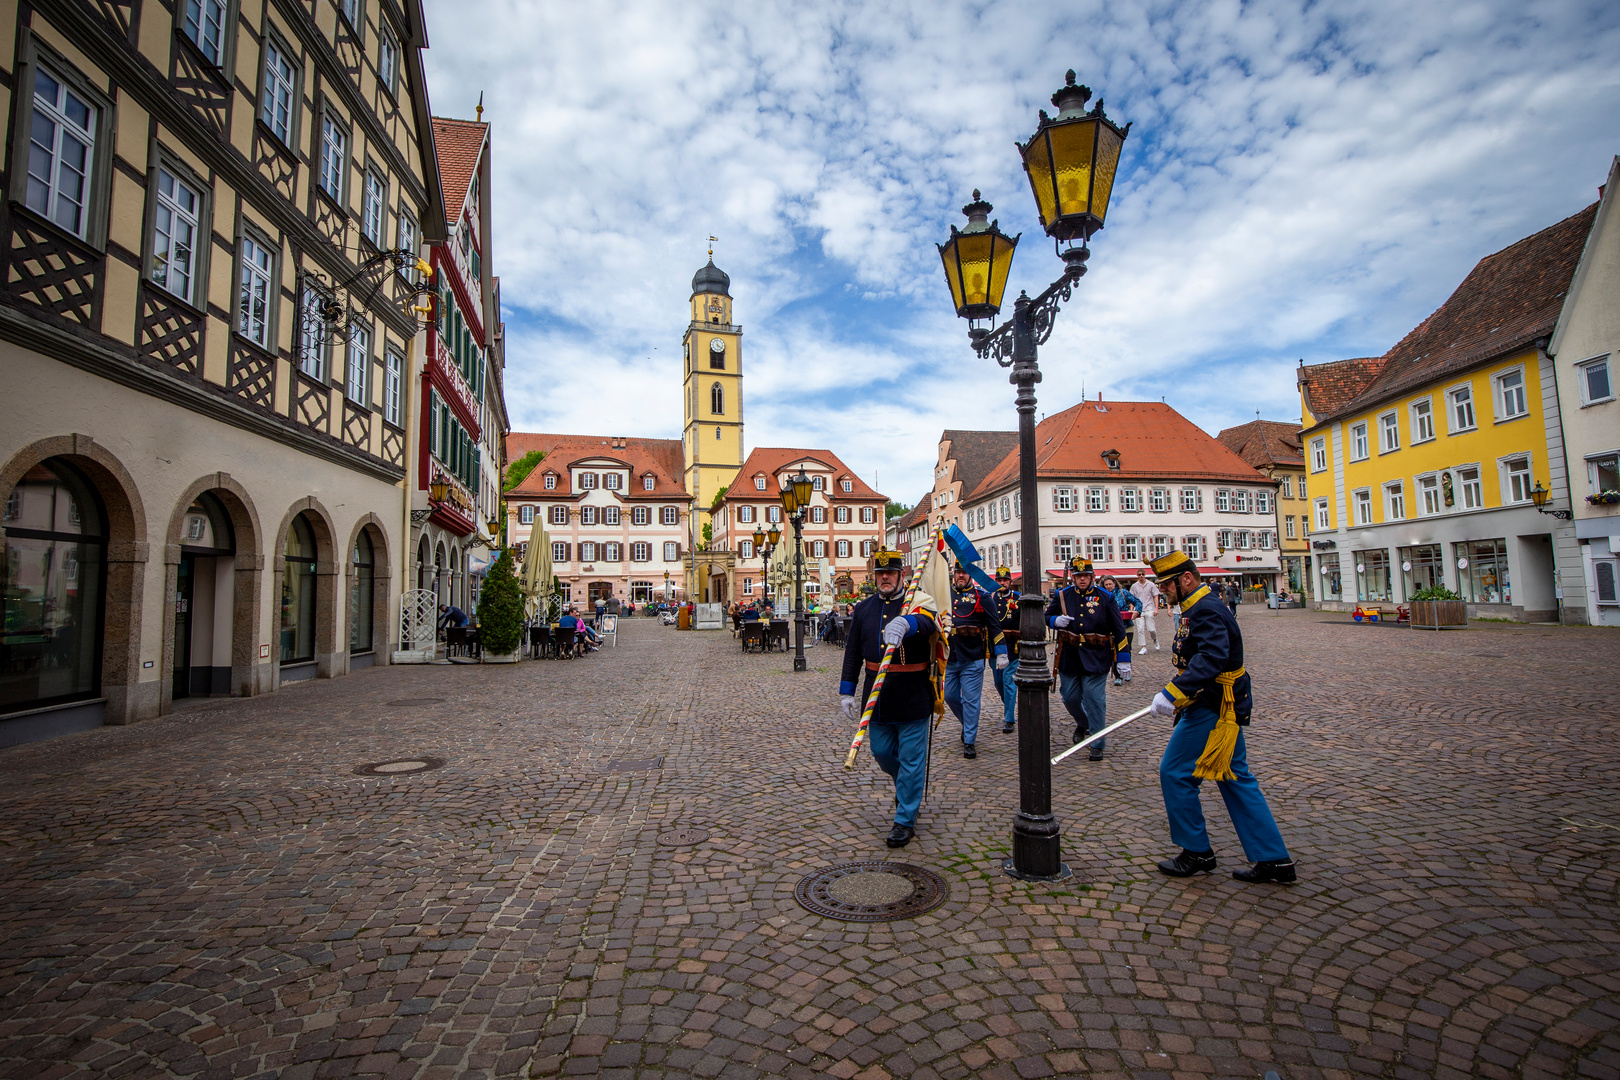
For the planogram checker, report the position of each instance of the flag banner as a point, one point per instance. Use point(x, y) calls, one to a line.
point(968, 556)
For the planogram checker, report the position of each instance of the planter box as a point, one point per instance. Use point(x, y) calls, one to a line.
point(1440, 614)
point(499, 658)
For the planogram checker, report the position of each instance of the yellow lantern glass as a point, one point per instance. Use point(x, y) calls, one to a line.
point(977, 260)
point(788, 503)
point(759, 537)
point(1071, 163)
point(437, 490)
point(801, 489)
point(774, 535)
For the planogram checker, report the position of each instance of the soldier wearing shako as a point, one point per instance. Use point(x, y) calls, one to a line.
point(975, 635)
point(1089, 634)
point(1211, 703)
point(899, 728)
point(1004, 608)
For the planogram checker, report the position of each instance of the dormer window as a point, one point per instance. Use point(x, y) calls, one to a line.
point(551, 481)
point(847, 485)
point(759, 483)
point(648, 482)
point(1112, 457)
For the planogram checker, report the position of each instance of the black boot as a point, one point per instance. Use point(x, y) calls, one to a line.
point(1189, 863)
point(1006, 729)
point(900, 836)
point(1277, 871)
point(969, 750)
point(1096, 751)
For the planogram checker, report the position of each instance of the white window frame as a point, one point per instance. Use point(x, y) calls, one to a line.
point(841, 515)
point(640, 551)
point(1159, 500)
point(205, 22)
point(394, 388)
point(549, 482)
point(526, 515)
point(759, 483)
point(1583, 372)
point(558, 515)
point(334, 158)
point(1096, 500)
point(372, 203)
point(613, 552)
point(1063, 499)
point(357, 366)
point(1130, 500)
point(1192, 500)
point(1428, 484)
point(847, 485)
point(587, 481)
point(312, 361)
point(169, 220)
point(1505, 397)
point(842, 549)
point(672, 550)
point(1594, 485)
point(641, 515)
point(669, 515)
point(611, 481)
point(1389, 432)
point(1526, 478)
point(1478, 483)
point(559, 551)
point(1286, 491)
point(1421, 416)
point(610, 516)
point(1240, 501)
point(254, 314)
point(1288, 526)
point(1395, 501)
point(1262, 502)
point(46, 195)
point(868, 515)
point(1361, 506)
point(1322, 521)
point(818, 483)
point(745, 515)
point(1453, 425)
point(818, 549)
point(1359, 446)
point(1130, 548)
point(388, 61)
point(1223, 501)
point(1319, 454)
point(278, 101)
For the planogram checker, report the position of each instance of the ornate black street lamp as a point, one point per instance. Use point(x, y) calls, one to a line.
point(1540, 496)
point(796, 500)
point(1071, 161)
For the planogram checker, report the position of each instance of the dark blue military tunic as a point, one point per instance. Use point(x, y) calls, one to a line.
point(1095, 613)
point(907, 694)
point(974, 629)
point(1208, 646)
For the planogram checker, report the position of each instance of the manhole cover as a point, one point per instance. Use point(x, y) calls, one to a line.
point(683, 837)
point(406, 702)
point(399, 766)
point(871, 892)
point(636, 765)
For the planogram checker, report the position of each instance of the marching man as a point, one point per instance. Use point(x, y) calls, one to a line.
point(975, 635)
point(1210, 703)
point(899, 729)
point(1004, 606)
point(1090, 633)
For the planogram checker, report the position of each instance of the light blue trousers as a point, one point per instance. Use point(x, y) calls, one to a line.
point(1086, 698)
point(901, 750)
point(1245, 803)
point(1006, 689)
point(964, 686)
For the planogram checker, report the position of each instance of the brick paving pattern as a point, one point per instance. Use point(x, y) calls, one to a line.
point(219, 894)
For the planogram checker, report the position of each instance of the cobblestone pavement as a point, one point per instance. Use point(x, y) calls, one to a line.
point(218, 893)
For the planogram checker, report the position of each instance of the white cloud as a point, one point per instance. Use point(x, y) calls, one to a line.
point(1302, 181)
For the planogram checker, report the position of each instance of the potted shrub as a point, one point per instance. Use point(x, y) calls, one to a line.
point(500, 613)
point(1437, 608)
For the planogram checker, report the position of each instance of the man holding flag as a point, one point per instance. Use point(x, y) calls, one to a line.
point(899, 727)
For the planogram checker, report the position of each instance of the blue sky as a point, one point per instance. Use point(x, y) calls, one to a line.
point(1303, 181)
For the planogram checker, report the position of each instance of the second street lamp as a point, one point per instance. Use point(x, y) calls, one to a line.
point(796, 500)
point(1071, 162)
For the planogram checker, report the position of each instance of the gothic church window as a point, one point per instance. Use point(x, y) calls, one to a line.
point(717, 400)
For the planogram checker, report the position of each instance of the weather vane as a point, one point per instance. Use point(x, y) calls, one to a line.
point(712, 239)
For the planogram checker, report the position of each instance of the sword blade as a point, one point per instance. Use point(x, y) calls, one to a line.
point(1116, 725)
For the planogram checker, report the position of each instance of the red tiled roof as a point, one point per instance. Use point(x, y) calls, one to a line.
point(1505, 303)
point(459, 143)
point(771, 460)
point(661, 457)
point(1154, 442)
point(976, 453)
point(1327, 387)
point(917, 513)
point(1265, 442)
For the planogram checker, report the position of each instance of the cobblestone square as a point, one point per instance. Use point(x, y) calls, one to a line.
point(219, 893)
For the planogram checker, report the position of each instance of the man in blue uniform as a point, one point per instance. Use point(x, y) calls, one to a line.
point(899, 728)
point(1004, 609)
point(975, 635)
point(1211, 703)
point(1089, 634)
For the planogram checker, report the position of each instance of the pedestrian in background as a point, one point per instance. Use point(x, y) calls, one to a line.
point(1130, 609)
point(1147, 623)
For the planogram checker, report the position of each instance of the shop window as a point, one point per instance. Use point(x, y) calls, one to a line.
point(53, 569)
point(1603, 472)
point(1372, 574)
point(1332, 587)
point(298, 594)
point(1482, 571)
point(361, 586)
point(1422, 567)
point(1593, 377)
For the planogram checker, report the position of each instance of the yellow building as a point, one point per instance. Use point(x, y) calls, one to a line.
point(712, 435)
point(1422, 463)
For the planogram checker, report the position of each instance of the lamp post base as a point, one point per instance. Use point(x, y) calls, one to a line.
point(1010, 868)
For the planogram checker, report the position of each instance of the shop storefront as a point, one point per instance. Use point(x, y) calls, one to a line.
point(1423, 566)
point(1372, 575)
point(1482, 571)
point(1332, 586)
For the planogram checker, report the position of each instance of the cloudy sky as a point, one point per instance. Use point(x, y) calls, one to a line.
point(1303, 181)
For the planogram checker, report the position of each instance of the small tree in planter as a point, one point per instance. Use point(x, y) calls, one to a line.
point(1438, 606)
point(500, 611)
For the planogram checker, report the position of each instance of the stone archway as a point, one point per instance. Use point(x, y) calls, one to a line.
point(250, 674)
point(127, 698)
point(382, 628)
point(329, 660)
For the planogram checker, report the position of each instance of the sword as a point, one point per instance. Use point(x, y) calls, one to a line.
point(1088, 740)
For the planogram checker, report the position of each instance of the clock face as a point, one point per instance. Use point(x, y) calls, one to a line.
point(717, 346)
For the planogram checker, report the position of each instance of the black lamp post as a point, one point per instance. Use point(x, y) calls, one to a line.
point(1071, 161)
point(1539, 496)
point(796, 500)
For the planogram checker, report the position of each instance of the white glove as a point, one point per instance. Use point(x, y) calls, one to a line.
point(896, 631)
point(1062, 622)
point(1162, 705)
point(1001, 662)
point(847, 703)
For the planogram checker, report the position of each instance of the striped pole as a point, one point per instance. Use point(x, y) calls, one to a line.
point(888, 654)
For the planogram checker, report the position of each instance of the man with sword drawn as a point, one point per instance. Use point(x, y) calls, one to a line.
point(1210, 702)
point(901, 717)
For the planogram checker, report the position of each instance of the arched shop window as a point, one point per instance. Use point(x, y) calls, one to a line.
point(360, 594)
point(298, 595)
point(55, 574)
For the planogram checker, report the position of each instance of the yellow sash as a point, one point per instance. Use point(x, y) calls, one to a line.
point(1215, 763)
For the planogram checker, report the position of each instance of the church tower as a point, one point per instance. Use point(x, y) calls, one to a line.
point(712, 439)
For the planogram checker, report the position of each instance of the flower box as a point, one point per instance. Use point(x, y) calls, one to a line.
point(1439, 614)
point(1604, 498)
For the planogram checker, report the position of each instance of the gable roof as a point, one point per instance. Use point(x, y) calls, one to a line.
point(661, 457)
point(1328, 387)
point(459, 143)
point(771, 460)
point(1265, 442)
point(1154, 442)
point(1508, 301)
point(917, 513)
point(977, 452)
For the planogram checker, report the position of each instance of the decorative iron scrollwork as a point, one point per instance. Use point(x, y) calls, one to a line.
point(331, 312)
